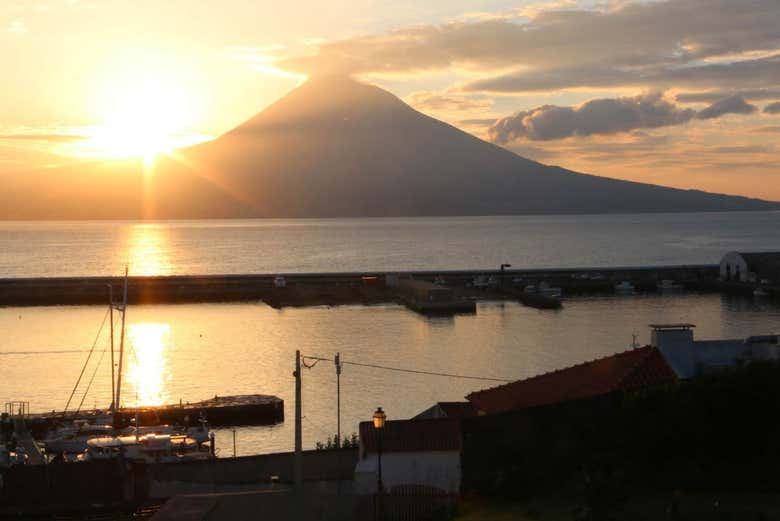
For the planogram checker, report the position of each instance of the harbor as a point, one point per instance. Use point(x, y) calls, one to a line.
point(156, 438)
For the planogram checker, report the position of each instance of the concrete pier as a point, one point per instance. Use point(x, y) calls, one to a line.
point(322, 288)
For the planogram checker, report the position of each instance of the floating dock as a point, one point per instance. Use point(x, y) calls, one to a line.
point(429, 298)
point(328, 288)
point(220, 411)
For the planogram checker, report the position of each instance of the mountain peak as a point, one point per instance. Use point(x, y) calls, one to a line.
point(325, 99)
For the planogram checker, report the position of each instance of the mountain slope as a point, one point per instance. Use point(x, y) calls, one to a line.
point(334, 148)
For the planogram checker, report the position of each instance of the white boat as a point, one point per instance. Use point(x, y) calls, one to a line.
point(280, 282)
point(548, 291)
point(480, 281)
point(624, 288)
point(669, 285)
point(151, 448)
point(72, 438)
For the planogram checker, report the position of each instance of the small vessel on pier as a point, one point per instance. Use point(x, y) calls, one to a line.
point(670, 285)
point(541, 296)
point(760, 292)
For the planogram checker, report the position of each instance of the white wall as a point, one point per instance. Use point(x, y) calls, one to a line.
point(440, 469)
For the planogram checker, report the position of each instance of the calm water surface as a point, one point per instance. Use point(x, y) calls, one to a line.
point(30, 249)
point(191, 352)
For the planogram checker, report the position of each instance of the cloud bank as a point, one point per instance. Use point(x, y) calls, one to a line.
point(607, 116)
point(699, 44)
point(730, 105)
point(772, 108)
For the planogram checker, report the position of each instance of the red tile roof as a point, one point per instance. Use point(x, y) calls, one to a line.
point(628, 370)
point(458, 410)
point(452, 410)
point(412, 436)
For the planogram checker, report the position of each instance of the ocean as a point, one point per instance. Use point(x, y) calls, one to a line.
point(47, 249)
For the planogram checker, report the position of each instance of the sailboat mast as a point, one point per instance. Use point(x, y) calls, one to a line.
point(111, 318)
point(121, 345)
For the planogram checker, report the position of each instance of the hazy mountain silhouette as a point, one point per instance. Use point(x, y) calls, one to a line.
point(334, 147)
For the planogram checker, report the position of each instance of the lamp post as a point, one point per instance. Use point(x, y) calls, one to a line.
point(503, 267)
point(379, 424)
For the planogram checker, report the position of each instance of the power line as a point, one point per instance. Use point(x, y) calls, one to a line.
point(94, 373)
point(413, 371)
point(94, 344)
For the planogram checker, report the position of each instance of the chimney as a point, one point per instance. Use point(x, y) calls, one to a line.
point(675, 342)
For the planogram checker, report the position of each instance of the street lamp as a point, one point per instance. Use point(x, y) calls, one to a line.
point(503, 267)
point(379, 424)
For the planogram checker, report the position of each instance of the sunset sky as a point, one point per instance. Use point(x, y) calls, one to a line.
point(684, 93)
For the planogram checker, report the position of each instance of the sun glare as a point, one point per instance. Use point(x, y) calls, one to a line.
point(148, 371)
point(142, 119)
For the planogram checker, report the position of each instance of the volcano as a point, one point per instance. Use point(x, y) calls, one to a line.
point(334, 147)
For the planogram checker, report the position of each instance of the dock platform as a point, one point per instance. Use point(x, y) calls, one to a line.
point(220, 411)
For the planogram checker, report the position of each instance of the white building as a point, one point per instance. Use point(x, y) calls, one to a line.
point(688, 357)
point(416, 455)
point(763, 267)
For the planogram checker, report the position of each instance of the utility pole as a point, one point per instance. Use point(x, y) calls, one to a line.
point(338, 400)
point(297, 463)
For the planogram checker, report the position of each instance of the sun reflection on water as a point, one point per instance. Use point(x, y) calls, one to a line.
point(148, 250)
point(148, 373)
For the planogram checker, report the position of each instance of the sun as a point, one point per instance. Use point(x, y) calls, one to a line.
point(142, 118)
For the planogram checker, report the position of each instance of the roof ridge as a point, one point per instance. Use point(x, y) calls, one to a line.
point(554, 371)
point(632, 368)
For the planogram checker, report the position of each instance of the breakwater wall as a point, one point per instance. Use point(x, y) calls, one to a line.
point(323, 288)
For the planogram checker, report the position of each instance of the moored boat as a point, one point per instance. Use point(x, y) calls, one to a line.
point(542, 296)
point(669, 285)
point(150, 448)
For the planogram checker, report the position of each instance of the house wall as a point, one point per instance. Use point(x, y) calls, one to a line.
point(731, 265)
point(712, 355)
point(440, 469)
